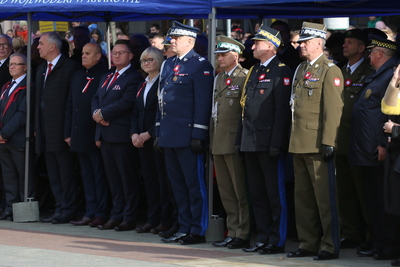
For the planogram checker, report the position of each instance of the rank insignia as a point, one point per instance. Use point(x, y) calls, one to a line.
point(368, 93)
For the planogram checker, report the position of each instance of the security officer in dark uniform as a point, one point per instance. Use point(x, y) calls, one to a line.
point(316, 110)
point(368, 146)
point(185, 97)
point(264, 138)
point(229, 165)
point(349, 182)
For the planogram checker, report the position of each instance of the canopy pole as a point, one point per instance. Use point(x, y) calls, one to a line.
point(211, 58)
point(28, 107)
point(228, 28)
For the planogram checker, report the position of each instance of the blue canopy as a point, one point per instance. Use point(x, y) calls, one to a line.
point(103, 10)
point(304, 8)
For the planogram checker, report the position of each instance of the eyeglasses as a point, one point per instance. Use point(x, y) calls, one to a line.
point(16, 64)
point(373, 50)
point(120, 53)
point(4, 45)
point(149, 60)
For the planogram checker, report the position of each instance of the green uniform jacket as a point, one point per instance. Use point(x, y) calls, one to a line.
point(316, 106)
point(226, 111)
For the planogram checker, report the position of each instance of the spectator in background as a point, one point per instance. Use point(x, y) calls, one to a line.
point(76, 24)
point(372, 21)
point(334, 44)
point(18, 44)
point(23, 30)
point(139, 43)
point(246, 36)
point(155, 28)
point(294, 36)
point(10, 33)
point(157, 41)
point(201, 45)
point(81, 37)
point(37, 34)
point(97, 36)
point(121, 36)
point(256, 27)
point(237, 33)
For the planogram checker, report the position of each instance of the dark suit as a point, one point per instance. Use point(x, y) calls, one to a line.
point(12, 153)
point(120, 157)
point(51, 101)
point(266, 120)
point(81, 128)
point(351, 200)
point(4, 77)
point(290, 56)
point(185, 115)
point(159, 207)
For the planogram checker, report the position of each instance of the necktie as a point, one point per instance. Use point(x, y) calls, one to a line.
point(113, 80)
point(49, 68)
point(348, 70)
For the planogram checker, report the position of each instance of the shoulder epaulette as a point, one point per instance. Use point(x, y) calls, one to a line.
point(200, 58)
point(281, 65)
point(245, 71)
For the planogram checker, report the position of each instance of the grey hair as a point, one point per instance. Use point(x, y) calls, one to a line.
point(54, 38)
point(9, 39)
point(24, 59)
point(156, 53)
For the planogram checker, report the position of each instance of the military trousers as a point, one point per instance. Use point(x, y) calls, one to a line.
point(232, 186)
point(316, 211)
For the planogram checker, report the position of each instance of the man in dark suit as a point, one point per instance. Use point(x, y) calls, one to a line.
point(264, 138)
point(6, 49)
point(53, 80)
point(352, 209)
point(112, 106)
point(185, 98)
point(80, 131)
point(12, 133)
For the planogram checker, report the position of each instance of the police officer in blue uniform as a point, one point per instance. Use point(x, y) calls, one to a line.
point(185, 97)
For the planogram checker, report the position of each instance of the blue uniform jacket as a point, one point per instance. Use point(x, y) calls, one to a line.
point(367, 118)
point(186, 97)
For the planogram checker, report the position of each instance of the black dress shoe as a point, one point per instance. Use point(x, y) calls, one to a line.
point(84, 221)
point(158, 229)
point(125, 226)
point(395, 262)
point(301, 253)
point(111, 224)
point(62, 219)
point(170, 232)
point(348, 243)
point(174, 238)
point(255, 247)
point(367, 252)
point(145, 228)
point(238, 243)
point(6, 215)
point(51, 218)
point(325, 255)
point(192, 239)
point(98, 221)
point(384, 255)
point(222, 243)
point(271, 249)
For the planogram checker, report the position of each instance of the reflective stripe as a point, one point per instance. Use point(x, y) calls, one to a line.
point(204, 127)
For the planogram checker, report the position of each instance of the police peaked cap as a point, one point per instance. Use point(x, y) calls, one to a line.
point(179, 29)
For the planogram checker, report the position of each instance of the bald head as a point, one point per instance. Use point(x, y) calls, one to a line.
point(91, 55)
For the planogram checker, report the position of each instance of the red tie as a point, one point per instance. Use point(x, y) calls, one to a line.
point(49, 68)
point(113, 80)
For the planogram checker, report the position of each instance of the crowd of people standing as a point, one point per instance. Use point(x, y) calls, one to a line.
point(302, 130)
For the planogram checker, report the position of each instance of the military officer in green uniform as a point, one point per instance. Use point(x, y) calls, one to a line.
point(351, 199)
point(316, 110)
point(229, 166)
